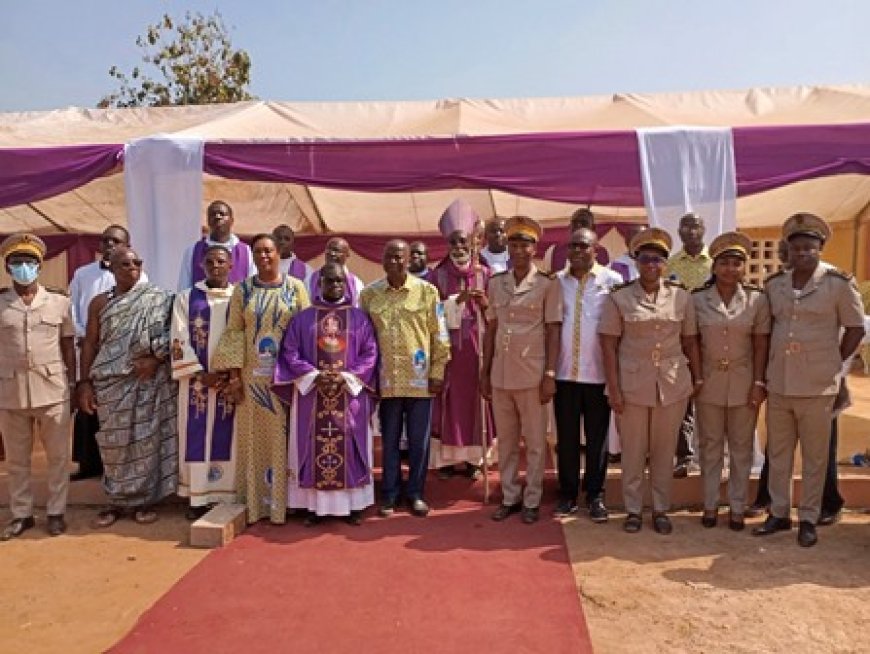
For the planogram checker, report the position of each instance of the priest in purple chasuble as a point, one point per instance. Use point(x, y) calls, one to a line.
point(206, 417)
point(326, 372)
point(461, 282)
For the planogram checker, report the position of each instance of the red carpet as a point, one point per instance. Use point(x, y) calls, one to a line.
point(453, 582)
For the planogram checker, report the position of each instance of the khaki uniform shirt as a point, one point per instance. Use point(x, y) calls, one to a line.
point(805, 340)
point(32, 372)
point(412, 336)
point(653, 371)
point(522, 311)
point(726, 342)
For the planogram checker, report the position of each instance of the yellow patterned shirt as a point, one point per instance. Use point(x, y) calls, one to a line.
point(690, 271)
point(412, 336)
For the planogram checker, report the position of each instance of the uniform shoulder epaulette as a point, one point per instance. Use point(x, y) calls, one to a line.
point(751, 287)
point(839, 272)
point(703, 287)
point(547, 273)
point(774, 275)
point(58, 290)
point(675, 284)
point(619, 287)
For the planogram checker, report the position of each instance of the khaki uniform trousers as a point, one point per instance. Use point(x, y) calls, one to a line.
point(519, 412)
point(716, 426)
point(792, 419)
point(17, 426)
point(649, 431)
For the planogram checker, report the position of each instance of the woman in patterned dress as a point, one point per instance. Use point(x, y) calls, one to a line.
point(260, 309)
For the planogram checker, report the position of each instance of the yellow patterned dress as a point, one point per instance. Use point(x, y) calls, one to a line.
point(259, 314)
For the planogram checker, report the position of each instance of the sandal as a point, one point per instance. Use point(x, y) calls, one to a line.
point(633, 523)
point(106, 518)
point(145, 516)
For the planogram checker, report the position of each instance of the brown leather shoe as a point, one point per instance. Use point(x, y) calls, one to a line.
point(56, 525)
point(17, 527)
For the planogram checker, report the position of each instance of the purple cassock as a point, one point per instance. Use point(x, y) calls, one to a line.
point(560, 256)
point(331, 429)
point(456, 412)
point(241, 255)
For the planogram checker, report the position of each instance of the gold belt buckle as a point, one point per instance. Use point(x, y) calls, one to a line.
point(794, 347)
point(723, 364)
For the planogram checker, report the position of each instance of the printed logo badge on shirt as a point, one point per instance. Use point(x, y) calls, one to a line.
point(267, 354)
point(420, 364)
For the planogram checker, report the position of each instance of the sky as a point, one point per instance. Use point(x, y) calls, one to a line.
point(57, 53)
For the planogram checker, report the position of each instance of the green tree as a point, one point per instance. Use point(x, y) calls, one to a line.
point(191, 61)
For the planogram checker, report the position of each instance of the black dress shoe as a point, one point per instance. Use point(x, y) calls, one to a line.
point(662, 524)
point(530, 515)
point(17, 527)
point(771, 526)
point(736, 522)
point(807, 534)
point(56, 525)
point(505, 511)
point(709, 519)
point(828, 518)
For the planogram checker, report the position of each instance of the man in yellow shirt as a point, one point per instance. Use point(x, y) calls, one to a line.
point(691, 267)
point(414, 349)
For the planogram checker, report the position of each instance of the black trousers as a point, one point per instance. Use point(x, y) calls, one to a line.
point(86, 452)
point(686, 438)
point(832, 501)
point(574, 401)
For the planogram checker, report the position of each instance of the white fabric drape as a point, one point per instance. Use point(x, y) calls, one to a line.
point(163, 187)
point(689, 169)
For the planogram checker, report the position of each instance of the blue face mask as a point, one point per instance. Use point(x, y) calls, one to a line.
point(24, 273)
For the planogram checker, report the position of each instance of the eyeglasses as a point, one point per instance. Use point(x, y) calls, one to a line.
point(654, 259)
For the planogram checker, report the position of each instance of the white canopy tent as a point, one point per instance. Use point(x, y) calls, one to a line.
point(261, 205)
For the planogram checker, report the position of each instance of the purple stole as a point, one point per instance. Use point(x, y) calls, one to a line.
point(330, 441)
point(241, 261)
point(351, 294)
point(199, 314)
point(297, 269)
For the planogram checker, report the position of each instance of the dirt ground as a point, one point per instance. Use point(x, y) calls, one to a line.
point(80, 592)
point(713, 590)
point(696, 590)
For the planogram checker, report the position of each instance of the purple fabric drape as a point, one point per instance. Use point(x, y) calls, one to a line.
point(596, 167)
point(32, 174)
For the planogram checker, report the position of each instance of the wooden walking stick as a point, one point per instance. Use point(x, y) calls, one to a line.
point(481, 327)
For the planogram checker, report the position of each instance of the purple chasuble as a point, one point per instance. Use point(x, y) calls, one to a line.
point(241, 262)
point(199, 319)
point(456, 410)
point(331, 428)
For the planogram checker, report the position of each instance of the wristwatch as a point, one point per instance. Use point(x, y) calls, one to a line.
point(550, 373)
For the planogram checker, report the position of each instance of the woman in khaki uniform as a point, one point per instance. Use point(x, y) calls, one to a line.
point(647, 333)
point(734, 331)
